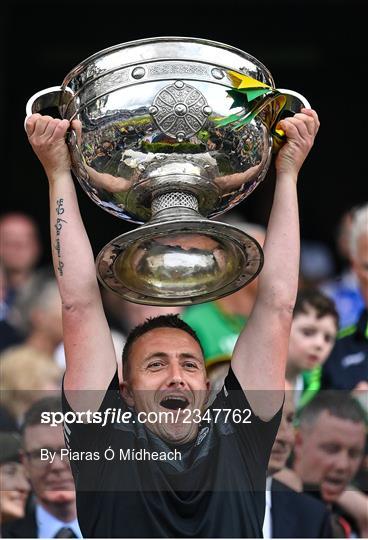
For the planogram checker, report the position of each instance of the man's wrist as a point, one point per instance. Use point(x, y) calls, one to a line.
point(287, 176)
point(59, 176)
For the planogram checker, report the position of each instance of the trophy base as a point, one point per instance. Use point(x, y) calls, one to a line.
point(179, 262)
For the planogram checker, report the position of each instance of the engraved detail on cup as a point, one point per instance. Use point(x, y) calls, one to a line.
point(177, 69)
point(95, 88)
point(180, 110)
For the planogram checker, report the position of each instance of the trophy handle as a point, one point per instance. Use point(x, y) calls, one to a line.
point(55, 96)
point(294, 102)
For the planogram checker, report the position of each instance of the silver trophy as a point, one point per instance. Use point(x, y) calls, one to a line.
point(174, 132)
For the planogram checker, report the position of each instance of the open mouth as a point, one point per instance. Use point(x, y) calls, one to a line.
point(333, 486)
point(337, 482)
point(174, 403)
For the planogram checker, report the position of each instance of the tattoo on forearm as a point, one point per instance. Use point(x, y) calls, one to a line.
point(58, 227)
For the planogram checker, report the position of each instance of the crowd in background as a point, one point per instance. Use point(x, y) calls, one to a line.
point(318, 471)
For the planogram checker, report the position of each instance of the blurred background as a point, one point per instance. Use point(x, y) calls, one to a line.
point(315, 48)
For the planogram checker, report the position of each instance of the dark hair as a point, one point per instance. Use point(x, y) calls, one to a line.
point(161, 321)
point(313, 298)
point(33, 414)
point(338, 403)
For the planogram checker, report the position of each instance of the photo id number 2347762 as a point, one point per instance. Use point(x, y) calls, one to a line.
point(237, 416)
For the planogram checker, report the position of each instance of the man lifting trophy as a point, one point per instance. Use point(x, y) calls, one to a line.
point(173, 131)
point(169, 133)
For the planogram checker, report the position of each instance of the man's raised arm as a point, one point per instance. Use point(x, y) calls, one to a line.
point(89, 351)
point(261, 351)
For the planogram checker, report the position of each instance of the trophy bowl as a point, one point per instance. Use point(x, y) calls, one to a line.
point(173, 132)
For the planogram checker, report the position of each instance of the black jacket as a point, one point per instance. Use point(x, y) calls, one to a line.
point(294, 515)
point(347, 364)
point(297, 515)
point(21, 528)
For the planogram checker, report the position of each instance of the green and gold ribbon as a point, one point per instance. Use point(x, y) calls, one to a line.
point(246, 90)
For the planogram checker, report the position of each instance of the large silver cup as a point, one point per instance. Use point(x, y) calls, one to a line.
point(166, 142)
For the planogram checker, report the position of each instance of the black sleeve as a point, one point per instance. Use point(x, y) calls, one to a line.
point(86, 435)
point(257, 436)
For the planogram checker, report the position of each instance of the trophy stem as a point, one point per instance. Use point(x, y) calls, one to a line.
point(179, 206)
point(174, 199)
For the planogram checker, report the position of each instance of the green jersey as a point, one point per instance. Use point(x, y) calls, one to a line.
point(216, 330)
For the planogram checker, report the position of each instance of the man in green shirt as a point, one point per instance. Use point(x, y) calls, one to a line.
point(218, 324)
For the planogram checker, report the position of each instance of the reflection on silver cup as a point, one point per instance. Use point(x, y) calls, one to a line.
point(169, 143)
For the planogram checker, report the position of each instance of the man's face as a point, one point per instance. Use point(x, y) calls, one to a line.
point(311, 340)
point(51, 482)
point(14, 490)
point(48, 318)
point(167, 373)
point(360, 265)
point(19, 244)
point(285, 437)
point(329, 453)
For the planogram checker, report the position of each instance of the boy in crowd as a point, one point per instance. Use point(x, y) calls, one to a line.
point(313, 334)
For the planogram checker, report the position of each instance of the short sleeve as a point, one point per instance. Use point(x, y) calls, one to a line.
point(256, 436)
point(84, 433)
